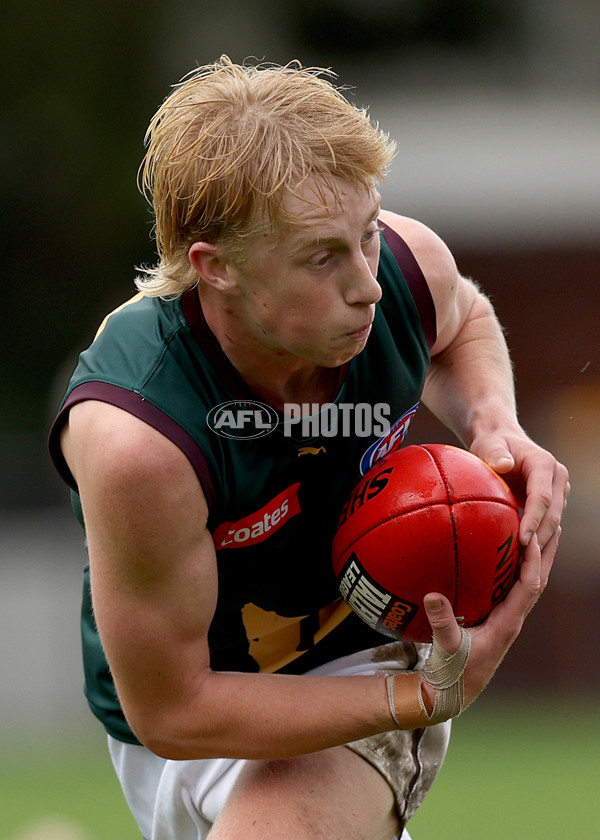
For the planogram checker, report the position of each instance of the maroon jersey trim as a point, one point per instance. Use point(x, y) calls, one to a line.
point(415, 280)
point(135, 404)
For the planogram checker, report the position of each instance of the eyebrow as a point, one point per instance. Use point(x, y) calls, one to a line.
point(315, 242)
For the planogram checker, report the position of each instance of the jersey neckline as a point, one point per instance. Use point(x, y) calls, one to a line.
point(193, 313)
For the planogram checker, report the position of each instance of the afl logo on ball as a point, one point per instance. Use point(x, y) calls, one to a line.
point(389, 442)
point(242, 419)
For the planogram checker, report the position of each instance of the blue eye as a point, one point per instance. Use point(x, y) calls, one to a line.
point(320, 262)
point(370, 234)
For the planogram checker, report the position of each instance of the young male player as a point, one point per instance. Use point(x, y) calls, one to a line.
point(240, 696)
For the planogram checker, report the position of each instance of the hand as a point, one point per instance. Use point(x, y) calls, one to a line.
point(491, 640)
point(539, 481)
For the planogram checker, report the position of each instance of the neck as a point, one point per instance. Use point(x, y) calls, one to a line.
point(300, 387)
point(274, 376)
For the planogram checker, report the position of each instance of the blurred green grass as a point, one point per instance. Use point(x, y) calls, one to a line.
point(519, 769)
point(68, 780)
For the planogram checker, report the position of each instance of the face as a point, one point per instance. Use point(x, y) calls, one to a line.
point(308, 292)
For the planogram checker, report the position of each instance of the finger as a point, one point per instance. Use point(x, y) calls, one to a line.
point(547, 492)
point(539, 499)
point(526, 591)
point(500, 459)
point(550, 525)
point(443, 622)
point(548, 555)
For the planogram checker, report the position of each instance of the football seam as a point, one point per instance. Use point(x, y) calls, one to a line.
point(356, 537)
point(444, 476)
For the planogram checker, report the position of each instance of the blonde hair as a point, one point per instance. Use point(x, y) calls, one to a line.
point(227, 146)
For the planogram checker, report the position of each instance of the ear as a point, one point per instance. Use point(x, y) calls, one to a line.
point(210, 264)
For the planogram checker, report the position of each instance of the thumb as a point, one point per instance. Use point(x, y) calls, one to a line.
point(442, 621)
point(499, 459)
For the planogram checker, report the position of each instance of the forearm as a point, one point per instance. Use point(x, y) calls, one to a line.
point(273, 716)
point(470, 385)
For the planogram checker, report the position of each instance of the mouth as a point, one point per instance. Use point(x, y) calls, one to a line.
point(362, 332)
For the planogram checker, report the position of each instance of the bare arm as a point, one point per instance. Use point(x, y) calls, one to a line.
point(154, 587)
point(470, 386)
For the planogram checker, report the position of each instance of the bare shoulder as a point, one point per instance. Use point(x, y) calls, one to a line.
point(453, 294)
point(114, 454)
point(115, 438)
point(429, 249)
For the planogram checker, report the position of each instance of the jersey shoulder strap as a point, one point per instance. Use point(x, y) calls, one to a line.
point(415, 280)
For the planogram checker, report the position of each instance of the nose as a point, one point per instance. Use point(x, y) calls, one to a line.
point(361, 283)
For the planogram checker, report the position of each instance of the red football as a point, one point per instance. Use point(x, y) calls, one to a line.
point(429, 518)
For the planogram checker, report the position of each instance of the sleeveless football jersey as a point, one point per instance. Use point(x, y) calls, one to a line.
point(275, 488)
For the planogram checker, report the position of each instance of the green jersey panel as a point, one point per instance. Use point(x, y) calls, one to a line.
point(275, 489)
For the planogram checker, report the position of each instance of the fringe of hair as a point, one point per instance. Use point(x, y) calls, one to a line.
point(231, 142)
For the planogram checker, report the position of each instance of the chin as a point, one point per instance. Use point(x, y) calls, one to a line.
point(344, 358)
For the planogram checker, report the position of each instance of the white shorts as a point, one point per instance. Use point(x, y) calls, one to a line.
point(182, 799)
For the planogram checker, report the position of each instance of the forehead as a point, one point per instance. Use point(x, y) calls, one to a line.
point(317, 211)
point(318, 202)
point(312, 214)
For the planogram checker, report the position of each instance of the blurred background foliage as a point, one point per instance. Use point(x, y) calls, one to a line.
point(496, 109)
point(81, 81)
point(495, 105)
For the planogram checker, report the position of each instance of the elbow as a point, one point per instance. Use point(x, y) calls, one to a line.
point(165, 740)
point(164, 746)
point(176, 720)
point(155, 736)
point(171, 733)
